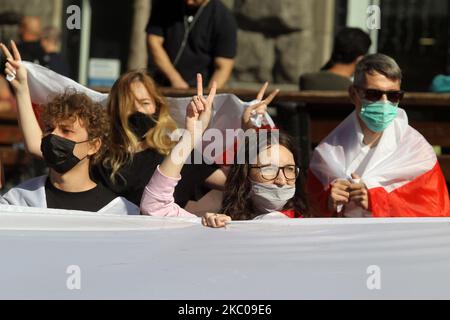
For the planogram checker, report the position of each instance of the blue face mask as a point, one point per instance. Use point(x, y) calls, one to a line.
point(378, 115)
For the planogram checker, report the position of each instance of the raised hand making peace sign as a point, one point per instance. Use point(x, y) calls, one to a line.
point(14, 68)
point(258, 108)
point(200, 109)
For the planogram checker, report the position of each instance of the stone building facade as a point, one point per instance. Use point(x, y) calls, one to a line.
point(279, 40)
point(49, 11)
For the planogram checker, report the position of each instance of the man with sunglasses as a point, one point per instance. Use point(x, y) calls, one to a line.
point(374, 164)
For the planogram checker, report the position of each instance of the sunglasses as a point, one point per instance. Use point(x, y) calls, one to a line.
point(377, 95)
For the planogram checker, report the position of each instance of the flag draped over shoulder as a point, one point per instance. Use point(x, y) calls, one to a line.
point(403, 175)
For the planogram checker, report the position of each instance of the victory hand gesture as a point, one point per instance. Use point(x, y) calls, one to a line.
point(199, 111)
point(14, 68)
point(258, 108)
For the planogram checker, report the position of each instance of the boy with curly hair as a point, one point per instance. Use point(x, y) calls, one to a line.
point(75, 137)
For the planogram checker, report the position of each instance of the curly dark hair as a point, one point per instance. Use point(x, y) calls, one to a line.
point(73, 105)
point(237, 196)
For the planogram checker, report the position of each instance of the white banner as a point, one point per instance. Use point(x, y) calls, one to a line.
point(67, 255)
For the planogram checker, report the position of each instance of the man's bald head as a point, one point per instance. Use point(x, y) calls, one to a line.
point(30, 29)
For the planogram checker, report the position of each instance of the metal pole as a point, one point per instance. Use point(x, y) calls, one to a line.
point(85, 41)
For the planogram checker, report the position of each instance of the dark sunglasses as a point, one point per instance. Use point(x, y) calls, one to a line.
point(377, 95)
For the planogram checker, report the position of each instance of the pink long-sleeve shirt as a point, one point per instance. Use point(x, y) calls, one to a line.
point(158, 199)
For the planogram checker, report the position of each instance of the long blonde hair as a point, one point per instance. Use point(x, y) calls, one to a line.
point(121, 105)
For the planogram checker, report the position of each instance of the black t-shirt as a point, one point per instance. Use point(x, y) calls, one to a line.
point(213, 35)
point(91, 200)
point(31, 51)
point(56, 62)
point(134, 177)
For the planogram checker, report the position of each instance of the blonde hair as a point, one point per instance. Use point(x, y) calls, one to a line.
point(120, 107)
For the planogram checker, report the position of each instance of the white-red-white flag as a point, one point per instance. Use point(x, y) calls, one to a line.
point(402, 173)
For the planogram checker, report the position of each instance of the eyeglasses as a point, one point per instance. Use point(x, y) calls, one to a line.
point(377, 95)
point(270, 172)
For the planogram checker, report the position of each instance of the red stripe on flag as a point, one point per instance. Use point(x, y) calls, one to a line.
point(425, 196)
point(318, 197)
point(37, 109)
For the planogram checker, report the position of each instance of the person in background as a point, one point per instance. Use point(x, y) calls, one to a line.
point(141, 124)
point(186, 37)
point(75, 137)
point(52, 59)
point(350, 46)
point(375, 164)
point(30, 32)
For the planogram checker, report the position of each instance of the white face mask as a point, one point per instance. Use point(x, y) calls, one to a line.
point(268, 198)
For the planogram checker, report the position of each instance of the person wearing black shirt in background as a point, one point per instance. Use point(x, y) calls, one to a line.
point(350, 46)
point(52, 58)
point(30, 31)
point(41, 46)
point(76, 135)
point(186, 37)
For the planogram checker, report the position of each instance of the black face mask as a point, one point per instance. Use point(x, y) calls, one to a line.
point(140, 124)
point(58, 153)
